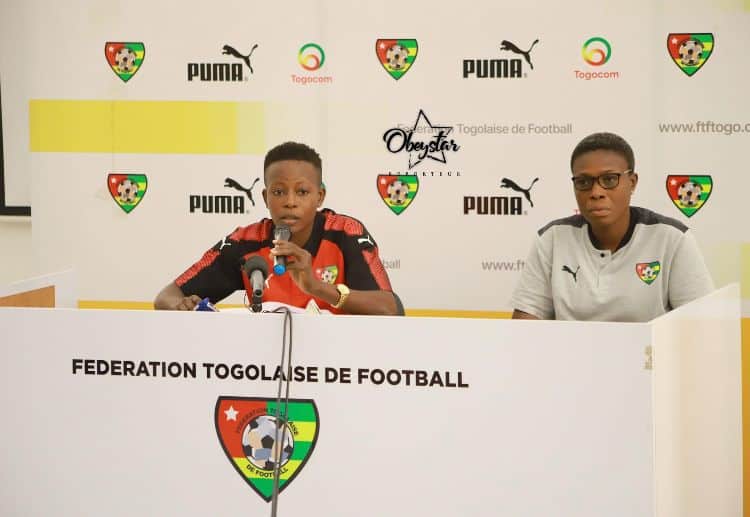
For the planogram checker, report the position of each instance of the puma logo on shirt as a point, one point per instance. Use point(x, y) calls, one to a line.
point(574, 274)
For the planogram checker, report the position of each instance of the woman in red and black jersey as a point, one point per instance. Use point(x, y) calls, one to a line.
point(331, 258)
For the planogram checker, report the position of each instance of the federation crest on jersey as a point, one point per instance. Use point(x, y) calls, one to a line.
point(254, 437)
point(125, 58)
point(396, 55)
point(327, 274)
point(127, 189)
point(397, 190)
point(689, 192)
point(648, 271)
point(690, 51)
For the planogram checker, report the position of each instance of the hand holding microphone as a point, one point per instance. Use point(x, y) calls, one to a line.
point(280, 233)
point(297, 261)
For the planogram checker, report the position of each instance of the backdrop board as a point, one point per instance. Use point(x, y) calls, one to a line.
point(136, 142)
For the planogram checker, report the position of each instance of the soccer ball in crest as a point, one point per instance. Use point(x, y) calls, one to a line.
point(262, 442)
point(127, 191)
point(125, 60)
point(691, 52)
point(689, 193)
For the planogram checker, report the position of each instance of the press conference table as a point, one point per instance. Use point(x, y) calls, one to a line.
point(153, 413)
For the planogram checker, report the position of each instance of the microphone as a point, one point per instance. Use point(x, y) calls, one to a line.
point(257, 270)
point(280, 233)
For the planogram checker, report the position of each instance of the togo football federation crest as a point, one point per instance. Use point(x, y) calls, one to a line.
point(254, 437)
point(690, 51)
point(648, 271)
point(327, 274)
point(125, 58)
point(689, 192)
point(127, 189)
point(397, 190)
point(396, 55)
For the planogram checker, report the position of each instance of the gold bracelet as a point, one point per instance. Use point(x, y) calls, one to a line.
point(343, 295)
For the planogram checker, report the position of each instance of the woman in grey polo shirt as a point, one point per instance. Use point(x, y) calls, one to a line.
point(612, 261)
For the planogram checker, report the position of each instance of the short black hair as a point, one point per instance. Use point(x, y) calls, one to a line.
point(294, 151)
point(606, 142)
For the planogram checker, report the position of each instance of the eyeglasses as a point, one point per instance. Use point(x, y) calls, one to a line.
point(608, 180)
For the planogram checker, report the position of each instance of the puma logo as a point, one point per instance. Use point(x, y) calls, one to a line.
point(367, 239)
point(226, 49)
point(572, 273)
point(507, 45)
point(509, 183)
point(229, 182)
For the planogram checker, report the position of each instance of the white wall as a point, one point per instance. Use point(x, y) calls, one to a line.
point(15, 243)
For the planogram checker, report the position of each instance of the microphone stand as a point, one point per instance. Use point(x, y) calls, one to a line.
point(254, 274)
point(257, 303)
point(282, 416)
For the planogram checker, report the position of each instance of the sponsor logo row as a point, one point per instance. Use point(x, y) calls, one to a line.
point(688, 192)
point(510, 60)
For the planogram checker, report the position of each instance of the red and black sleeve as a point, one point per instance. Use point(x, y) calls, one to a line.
point(217, 274)
point(363, 268)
